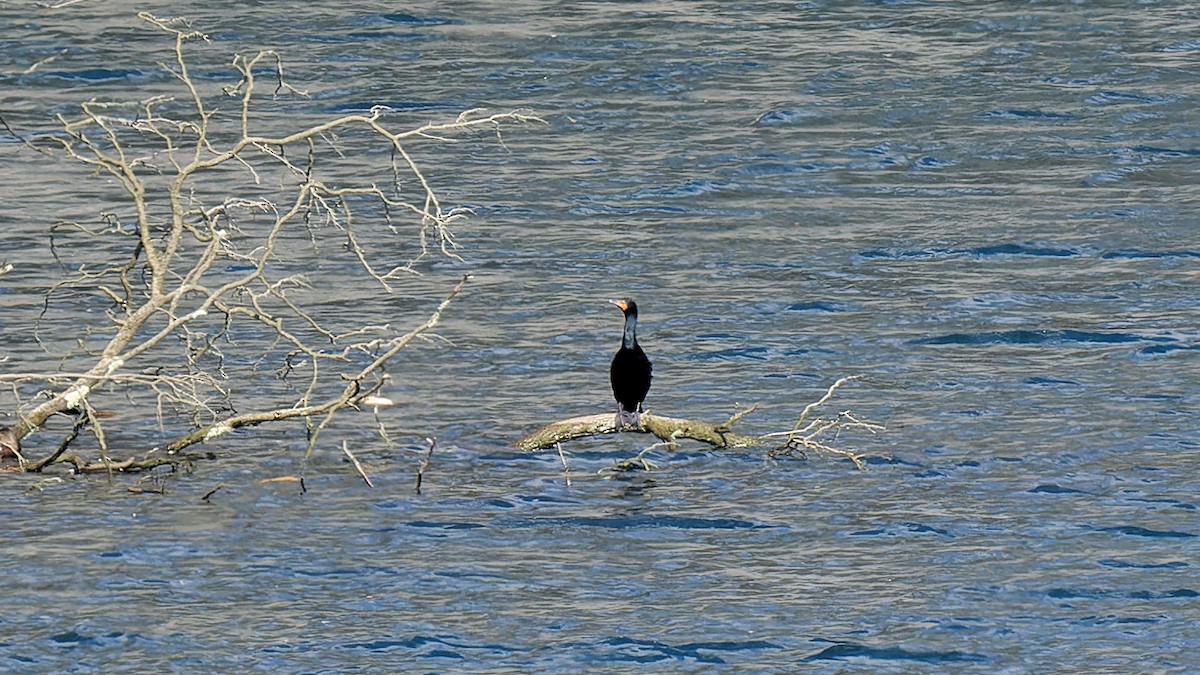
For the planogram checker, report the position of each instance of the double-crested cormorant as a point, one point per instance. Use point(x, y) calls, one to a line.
point(630, 371)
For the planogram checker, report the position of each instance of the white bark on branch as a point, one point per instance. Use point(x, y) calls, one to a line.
point(204, 251)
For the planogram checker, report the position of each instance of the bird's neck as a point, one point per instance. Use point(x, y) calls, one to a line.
point(629, 339)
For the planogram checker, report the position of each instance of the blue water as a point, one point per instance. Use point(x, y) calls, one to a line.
point(987, 211)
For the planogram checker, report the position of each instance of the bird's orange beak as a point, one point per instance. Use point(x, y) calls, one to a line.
point(619, 303)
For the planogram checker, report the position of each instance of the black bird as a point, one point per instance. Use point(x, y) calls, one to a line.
point(630, 371)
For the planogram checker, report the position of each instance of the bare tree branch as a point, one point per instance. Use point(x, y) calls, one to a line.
point(669, 430)
point(203, 245)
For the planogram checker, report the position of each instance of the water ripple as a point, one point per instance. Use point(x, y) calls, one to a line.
point(1135, 253)
point(1096, 594)
point(654, 651)
point(1007, 249)
point(850, 650)
point(432, 646)
point(1135, 531)
point(643, 521)
point(1038, 337)
point(1026, 114)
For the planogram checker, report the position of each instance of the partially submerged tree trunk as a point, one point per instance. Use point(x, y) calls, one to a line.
point(807, 434)
point(664, 428)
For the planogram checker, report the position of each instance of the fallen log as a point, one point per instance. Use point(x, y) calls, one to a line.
point(667, 429)
point(808, 433)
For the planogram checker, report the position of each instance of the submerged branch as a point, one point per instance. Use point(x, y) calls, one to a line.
point(202, 291)
point(352, 394)
point(664, 428)
point(810, 436)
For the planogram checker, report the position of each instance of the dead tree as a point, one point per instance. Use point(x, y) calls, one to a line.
point(213, 211)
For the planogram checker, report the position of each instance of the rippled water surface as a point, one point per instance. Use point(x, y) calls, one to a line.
point(986, 210)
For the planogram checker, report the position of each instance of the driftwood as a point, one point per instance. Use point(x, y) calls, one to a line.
point(808, 433)
point(667, 429)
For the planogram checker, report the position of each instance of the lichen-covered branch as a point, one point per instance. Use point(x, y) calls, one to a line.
point(664, 428)
point(810, 436)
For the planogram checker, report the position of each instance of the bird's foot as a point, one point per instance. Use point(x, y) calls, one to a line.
point(627, 419)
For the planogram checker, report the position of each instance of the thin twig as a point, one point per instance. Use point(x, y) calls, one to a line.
point(41, 485)
point(637, 460)
point(59, 5)
point(357, 466)
point(45, 61)
point(24, 141)
point(37, 466)
point(424, 464)
point(566, 469)
point(821, 401)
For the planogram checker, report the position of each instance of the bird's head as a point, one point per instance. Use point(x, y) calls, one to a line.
point(628, 306)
